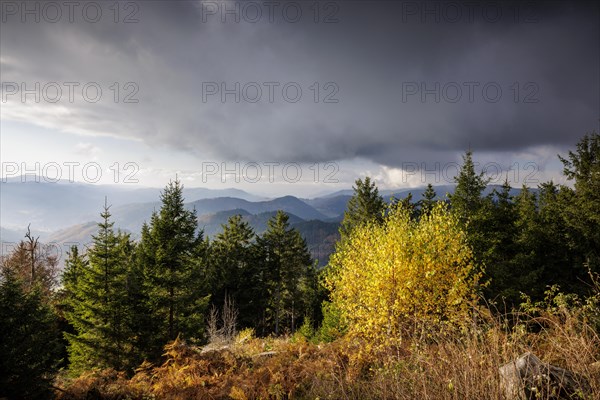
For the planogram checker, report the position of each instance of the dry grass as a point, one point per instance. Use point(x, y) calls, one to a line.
point(462, 365)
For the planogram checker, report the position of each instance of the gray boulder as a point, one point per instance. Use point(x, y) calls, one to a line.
point(528, 378)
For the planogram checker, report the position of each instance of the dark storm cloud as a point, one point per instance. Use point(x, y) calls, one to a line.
point(380, 55)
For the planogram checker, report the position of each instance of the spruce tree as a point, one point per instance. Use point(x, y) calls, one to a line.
point(173, 263)
point(473, 210)
point(29, 340)
point(407, 203)
point(287, 262)
point(72, 278)
point(365, 205)
point(144, 325)
point(99, 308)
point(236, 273)
point(428, 200)
point(75, 265)
point(556, 251)
point(583, 214)
point(467, 197)
point(501, 247)
point(525, 270)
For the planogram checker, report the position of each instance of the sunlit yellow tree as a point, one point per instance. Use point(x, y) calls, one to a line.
point(403, 277)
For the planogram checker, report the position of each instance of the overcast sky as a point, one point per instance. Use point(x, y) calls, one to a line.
point(295, 97)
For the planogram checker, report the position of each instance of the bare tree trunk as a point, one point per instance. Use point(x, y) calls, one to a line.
point(293, 325)
point(32, 247)
point(171, 295)
point(278, 297)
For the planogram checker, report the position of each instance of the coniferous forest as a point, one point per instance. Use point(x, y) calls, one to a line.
point(422, 298)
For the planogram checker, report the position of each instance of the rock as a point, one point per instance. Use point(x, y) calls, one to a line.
point(214, 347)
point(265, 354)
point(529, 378)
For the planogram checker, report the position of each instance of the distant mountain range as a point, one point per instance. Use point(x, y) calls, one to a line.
point(51, 206)
point(65, 213)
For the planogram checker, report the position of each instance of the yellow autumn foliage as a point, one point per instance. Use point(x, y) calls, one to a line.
point(390, 280)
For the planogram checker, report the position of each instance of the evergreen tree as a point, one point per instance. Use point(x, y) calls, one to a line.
point(365, 205)
point(527, 268)
point(75, 266)
point(407, 204)
point(467, 198)
point(69, 295)
point(173, 262)
point(556, 251)
point(144, 325)
point(472, 209)
point(72, 282)
point(99, 306)
point(583, 214)
point(29, 340)
point(236, 272)
point(428, 200)
point(502, 248)
point(287, 267)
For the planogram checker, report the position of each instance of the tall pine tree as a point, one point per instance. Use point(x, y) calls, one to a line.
point(173, 262)
point(98, 306)
point(428, 200)
point(556, 251)
point(582, 214)
point(236, 273)
point(501, 247)
point(287, 266)
point(365, 205)
point(29, 339)
point(467, 197)
point(473, 209)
